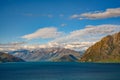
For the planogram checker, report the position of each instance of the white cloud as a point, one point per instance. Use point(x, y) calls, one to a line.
point(75, 16)
point(82, 39)
point(45, 33)
point(112, 12)
point(78, 46)
point(11, 46)
point(77, 40)
point(89, 34)
point(63, 25)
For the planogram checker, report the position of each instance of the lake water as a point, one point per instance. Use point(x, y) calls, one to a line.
point(59, 71)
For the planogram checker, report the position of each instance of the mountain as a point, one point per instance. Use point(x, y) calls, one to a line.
point(4, 57)
point(106, 50)
point(66, 58)
point(46, 54)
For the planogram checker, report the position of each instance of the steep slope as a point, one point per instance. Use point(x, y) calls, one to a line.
point(4, 57)
point(44, 54)
point(106, 50)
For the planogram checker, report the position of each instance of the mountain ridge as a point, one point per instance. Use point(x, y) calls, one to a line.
point(45, 54)
point(4, 57)
point(105, 50)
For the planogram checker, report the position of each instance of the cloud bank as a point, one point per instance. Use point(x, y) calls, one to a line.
point(108, 13)
point(44, 33)
point(12, 44)
point(90, 33)
point(78, 40)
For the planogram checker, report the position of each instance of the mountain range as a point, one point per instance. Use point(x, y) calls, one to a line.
point(105, 50)
point(4, 57)
point(46, 54)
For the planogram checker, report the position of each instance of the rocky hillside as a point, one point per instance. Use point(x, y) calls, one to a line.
point(47, 54)
point(106, 50)
point(4, 57)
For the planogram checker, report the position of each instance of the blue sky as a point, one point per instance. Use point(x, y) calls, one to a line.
point(20, 18)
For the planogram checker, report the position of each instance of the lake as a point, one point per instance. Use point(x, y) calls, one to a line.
point(59, 71)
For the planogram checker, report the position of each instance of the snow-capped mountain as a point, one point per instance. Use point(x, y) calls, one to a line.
point(48, 52)
point(45, 54)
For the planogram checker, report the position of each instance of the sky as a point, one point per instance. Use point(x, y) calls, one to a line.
point(61, 21)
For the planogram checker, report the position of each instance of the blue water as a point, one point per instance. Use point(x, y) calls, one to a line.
point(59, 71)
